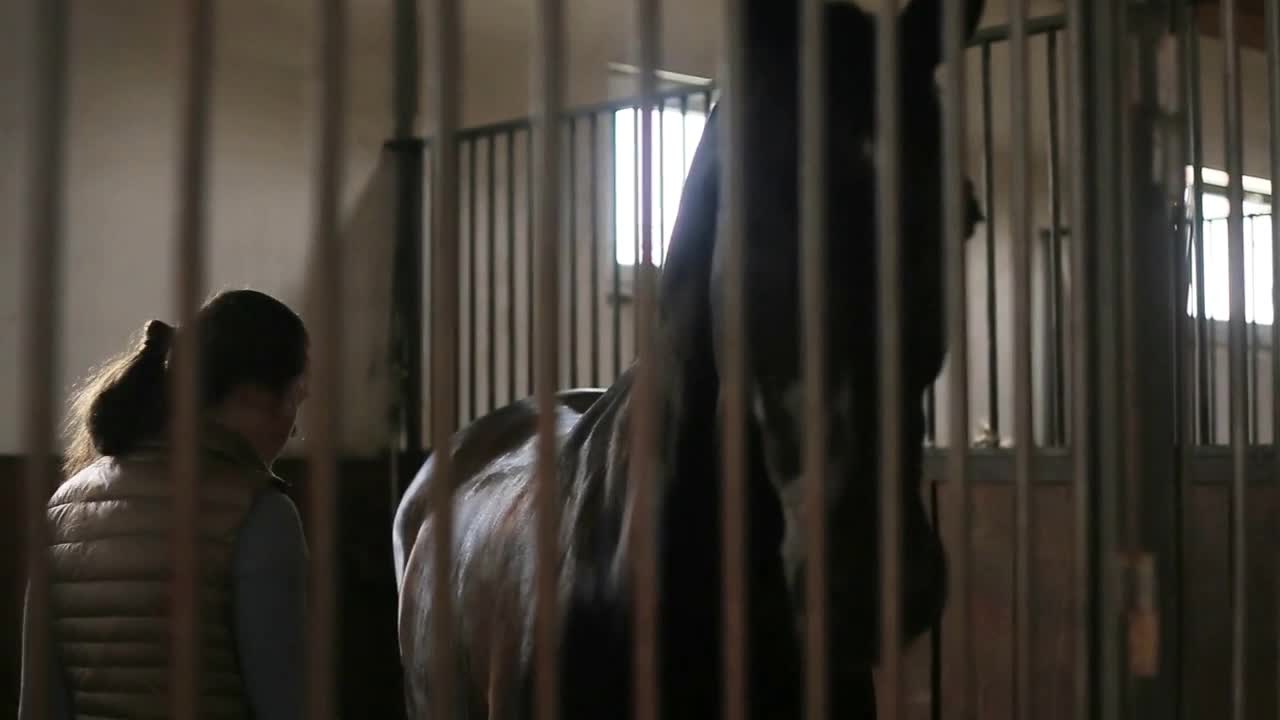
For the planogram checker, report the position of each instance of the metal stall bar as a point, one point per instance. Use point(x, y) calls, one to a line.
point(1273, 81)
point(635, 192)
point(407, 280)
point(1203, 339)
point(644, 399)
point(613, 249)
point(473, 364)
point(189, 272)
point(1237, 517)
point(955, 111)
point(1252, 390)
point(813, 264)
point(988, 202)
point(491, 202)
point(662, 174)
point(1024, 443)
point(47, 142)
point(443, 100)
point(326, 357)
point(1107, 409)
point(511, 266)
point(548, 103)
point(1056, 432)
point(572, 247)
point(1079, 129)
point(733, 379)
point(1129, 541)
point(531, 268)
point(594, 160)
point(1178, 152)
point(889, 289)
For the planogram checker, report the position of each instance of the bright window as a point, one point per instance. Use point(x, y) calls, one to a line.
point(1257, 252)
point(674, 137)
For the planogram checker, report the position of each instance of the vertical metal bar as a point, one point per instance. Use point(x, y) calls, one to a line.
point(931, 414)
point(644, 399)
point(613, 253)
point(532, 245)
point(457, 327)
point(1078, 35)
point(684, 133)
point(813, 283)
point(1024, 447)
point(1110, 441)
point(594, 159)
point(1129, 540)
point(889, 279)
point(46, 136)
point(572, 247)
point(407, 281)
point(1254, 391)
point(662, 174)
point(1204, 347)
point(640, 221)
point(1237, 519)
point(954, 164)
point(1273, 119)
point(548, 109)
point(326, 355)
point(189, 272)
point(935, 632)
point(988, 201)
point(1057, 436)
point(1184, 339)
point(734, 377)
point(444, 100)
point(511, 266)
point(490, 200)
point(472, 246)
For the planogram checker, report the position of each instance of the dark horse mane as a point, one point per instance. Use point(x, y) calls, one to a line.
point(493, 542)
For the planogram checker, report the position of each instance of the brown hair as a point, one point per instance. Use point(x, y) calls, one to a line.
point(245, 337)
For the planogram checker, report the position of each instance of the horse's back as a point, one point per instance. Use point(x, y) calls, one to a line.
point(503, 436)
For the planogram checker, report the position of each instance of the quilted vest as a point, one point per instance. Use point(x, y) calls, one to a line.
point(111, 559)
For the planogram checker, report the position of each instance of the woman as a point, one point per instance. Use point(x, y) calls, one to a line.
point(110, 529)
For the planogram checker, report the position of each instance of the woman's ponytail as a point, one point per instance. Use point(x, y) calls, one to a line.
point(122, 402)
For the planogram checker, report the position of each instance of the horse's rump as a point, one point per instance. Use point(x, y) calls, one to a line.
point(494, 459)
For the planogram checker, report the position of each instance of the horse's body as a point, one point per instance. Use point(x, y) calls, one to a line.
point(494, 548)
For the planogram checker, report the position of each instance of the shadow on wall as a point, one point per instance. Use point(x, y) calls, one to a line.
point(368, 244)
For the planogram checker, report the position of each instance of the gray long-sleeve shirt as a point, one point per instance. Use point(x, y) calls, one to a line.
point(270, 601)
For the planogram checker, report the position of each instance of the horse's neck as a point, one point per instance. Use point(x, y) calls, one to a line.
point(689, 384)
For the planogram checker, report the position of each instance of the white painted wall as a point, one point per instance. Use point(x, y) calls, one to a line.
point(120, 192)
point(122, 169)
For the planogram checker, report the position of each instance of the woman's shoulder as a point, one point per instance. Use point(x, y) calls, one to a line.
point(106, 478)
point(271, 535)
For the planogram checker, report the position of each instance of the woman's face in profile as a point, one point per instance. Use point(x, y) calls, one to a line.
point(291, 404)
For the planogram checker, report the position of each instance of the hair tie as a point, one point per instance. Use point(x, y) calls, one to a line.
point(159, 337)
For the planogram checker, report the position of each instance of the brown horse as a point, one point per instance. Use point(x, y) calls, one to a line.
point(493, 541)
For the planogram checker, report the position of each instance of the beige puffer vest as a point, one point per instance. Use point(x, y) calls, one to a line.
point(110, 557)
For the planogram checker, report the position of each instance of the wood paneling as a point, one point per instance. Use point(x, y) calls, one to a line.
point(370, 659)
point(1250, 22)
